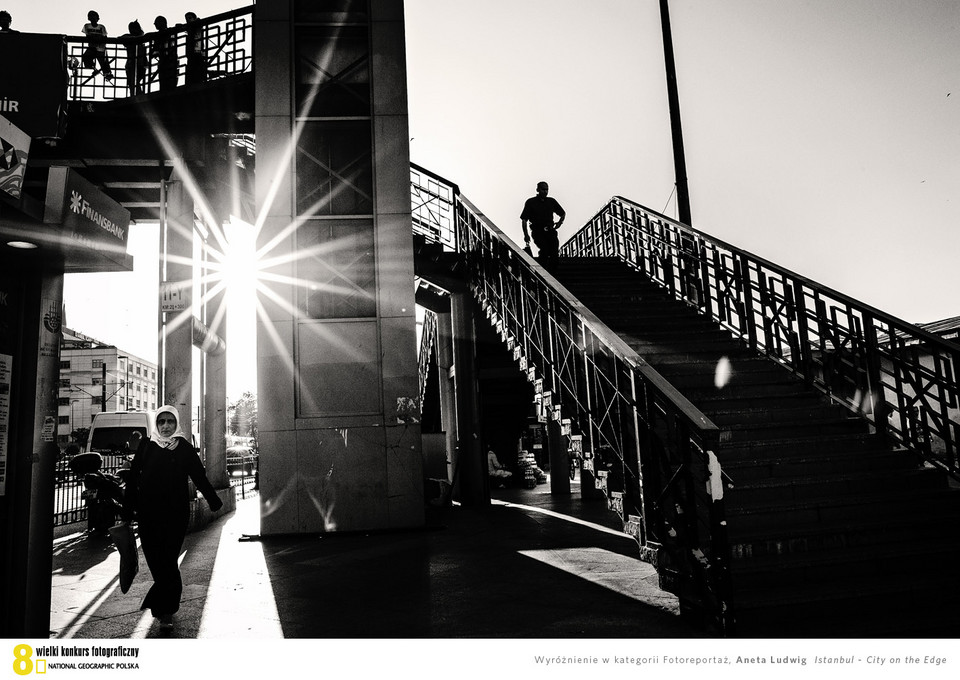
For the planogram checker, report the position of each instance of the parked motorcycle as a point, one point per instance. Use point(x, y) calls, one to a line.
point(102, 493)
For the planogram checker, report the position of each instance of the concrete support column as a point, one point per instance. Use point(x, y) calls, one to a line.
point(33, 300)
point(588, 486)
point(45, 453)
point(178, 355)
point(469, 465)
point(448, 392)
point(559, 459)
point(340, 444)
point(215, 395)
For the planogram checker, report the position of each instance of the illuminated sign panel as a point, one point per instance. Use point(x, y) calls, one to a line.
point(87, 215)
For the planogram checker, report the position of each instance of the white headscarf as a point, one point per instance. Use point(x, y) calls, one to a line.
point(171, 441)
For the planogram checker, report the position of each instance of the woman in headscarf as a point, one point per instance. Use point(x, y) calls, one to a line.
point(157, 491)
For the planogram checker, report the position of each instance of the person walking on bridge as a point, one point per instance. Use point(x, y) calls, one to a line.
point(538, 211)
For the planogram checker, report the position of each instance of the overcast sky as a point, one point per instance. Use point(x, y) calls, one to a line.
point(823, 135)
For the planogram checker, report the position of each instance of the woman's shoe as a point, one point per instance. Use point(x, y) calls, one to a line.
point(166, 622)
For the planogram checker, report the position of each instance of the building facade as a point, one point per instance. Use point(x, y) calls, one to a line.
point(96, 376)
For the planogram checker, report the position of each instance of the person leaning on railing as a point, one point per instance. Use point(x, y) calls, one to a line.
point(164, 50)
point(97, 49)
point(196, 56)
point(136, 65)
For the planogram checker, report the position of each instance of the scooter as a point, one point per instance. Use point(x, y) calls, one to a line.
point(102, 493)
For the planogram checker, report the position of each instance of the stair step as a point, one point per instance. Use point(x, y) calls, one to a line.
point(786, 467)
point(774, 551)
point(852, 607)
point(754, 432)
point(884, 558)
point(777, 411)
point(804, 489)
point(803, 445)
point(835, 515)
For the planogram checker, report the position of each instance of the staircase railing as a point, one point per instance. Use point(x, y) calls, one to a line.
point(225, 43)
point(901, 378)
point(650, 448)
point(428, 339)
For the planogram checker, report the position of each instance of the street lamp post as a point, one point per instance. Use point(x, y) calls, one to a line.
point(679, 161)
point(126, 379)
point(73, 425)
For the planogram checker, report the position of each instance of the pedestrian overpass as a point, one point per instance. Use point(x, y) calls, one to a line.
point(785, 455)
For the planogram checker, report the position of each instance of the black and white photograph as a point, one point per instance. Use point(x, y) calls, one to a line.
point(392, 336)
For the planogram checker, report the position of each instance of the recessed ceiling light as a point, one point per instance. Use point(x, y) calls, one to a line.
point(21, 244)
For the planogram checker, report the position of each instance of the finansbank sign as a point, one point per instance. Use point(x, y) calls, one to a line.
point(87, 215)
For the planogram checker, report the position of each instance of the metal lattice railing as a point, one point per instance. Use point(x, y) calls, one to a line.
point(223, 45)
point(428, 339)
point(898, 376)
point(651, 450)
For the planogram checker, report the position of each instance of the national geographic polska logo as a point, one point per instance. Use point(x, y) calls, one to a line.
point(73, 657)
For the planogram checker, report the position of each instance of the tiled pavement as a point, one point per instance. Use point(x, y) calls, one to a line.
point(531, 565)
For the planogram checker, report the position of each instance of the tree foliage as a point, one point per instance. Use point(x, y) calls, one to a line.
point(242, 418)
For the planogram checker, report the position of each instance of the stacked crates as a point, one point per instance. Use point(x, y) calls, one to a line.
point(532, 474)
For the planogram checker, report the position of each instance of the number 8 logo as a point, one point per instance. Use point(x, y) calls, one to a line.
point(22, 664)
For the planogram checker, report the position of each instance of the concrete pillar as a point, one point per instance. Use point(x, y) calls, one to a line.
point(470, 466)
point(559, 459)
point(215, 395)
point(178, 355)
point(336, 337)
point(46, 452)
point(448, 393)
point(31, 368)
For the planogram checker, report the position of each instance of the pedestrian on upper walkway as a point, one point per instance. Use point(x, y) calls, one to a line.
point(158, 494)
point(538, 211)
point(96, 51)
point(196, 53)
point(136, 65)
point(5, 21)
point(164, 50)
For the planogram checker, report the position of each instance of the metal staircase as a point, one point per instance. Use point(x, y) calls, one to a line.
point(786, 456)
point(827, 523)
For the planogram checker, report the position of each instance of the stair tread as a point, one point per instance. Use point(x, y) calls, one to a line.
point(867, 475)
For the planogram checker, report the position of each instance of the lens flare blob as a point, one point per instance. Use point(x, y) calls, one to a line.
point(723, 373)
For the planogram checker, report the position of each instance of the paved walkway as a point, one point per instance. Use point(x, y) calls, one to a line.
point(529, 566)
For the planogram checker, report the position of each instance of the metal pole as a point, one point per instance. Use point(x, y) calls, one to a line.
point(162, 267)
point(103, 387)
point(680, 165)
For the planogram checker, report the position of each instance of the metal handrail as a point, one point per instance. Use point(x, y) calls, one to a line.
point(428, 340)
point(649, 447)
point(226, 42)
point(901, 378)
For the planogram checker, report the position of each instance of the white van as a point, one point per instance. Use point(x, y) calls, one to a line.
point(110, 431)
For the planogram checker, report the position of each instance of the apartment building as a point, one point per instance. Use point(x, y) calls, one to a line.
point(96, 376)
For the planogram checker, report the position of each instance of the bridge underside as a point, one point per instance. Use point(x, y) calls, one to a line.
point(129, 147)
